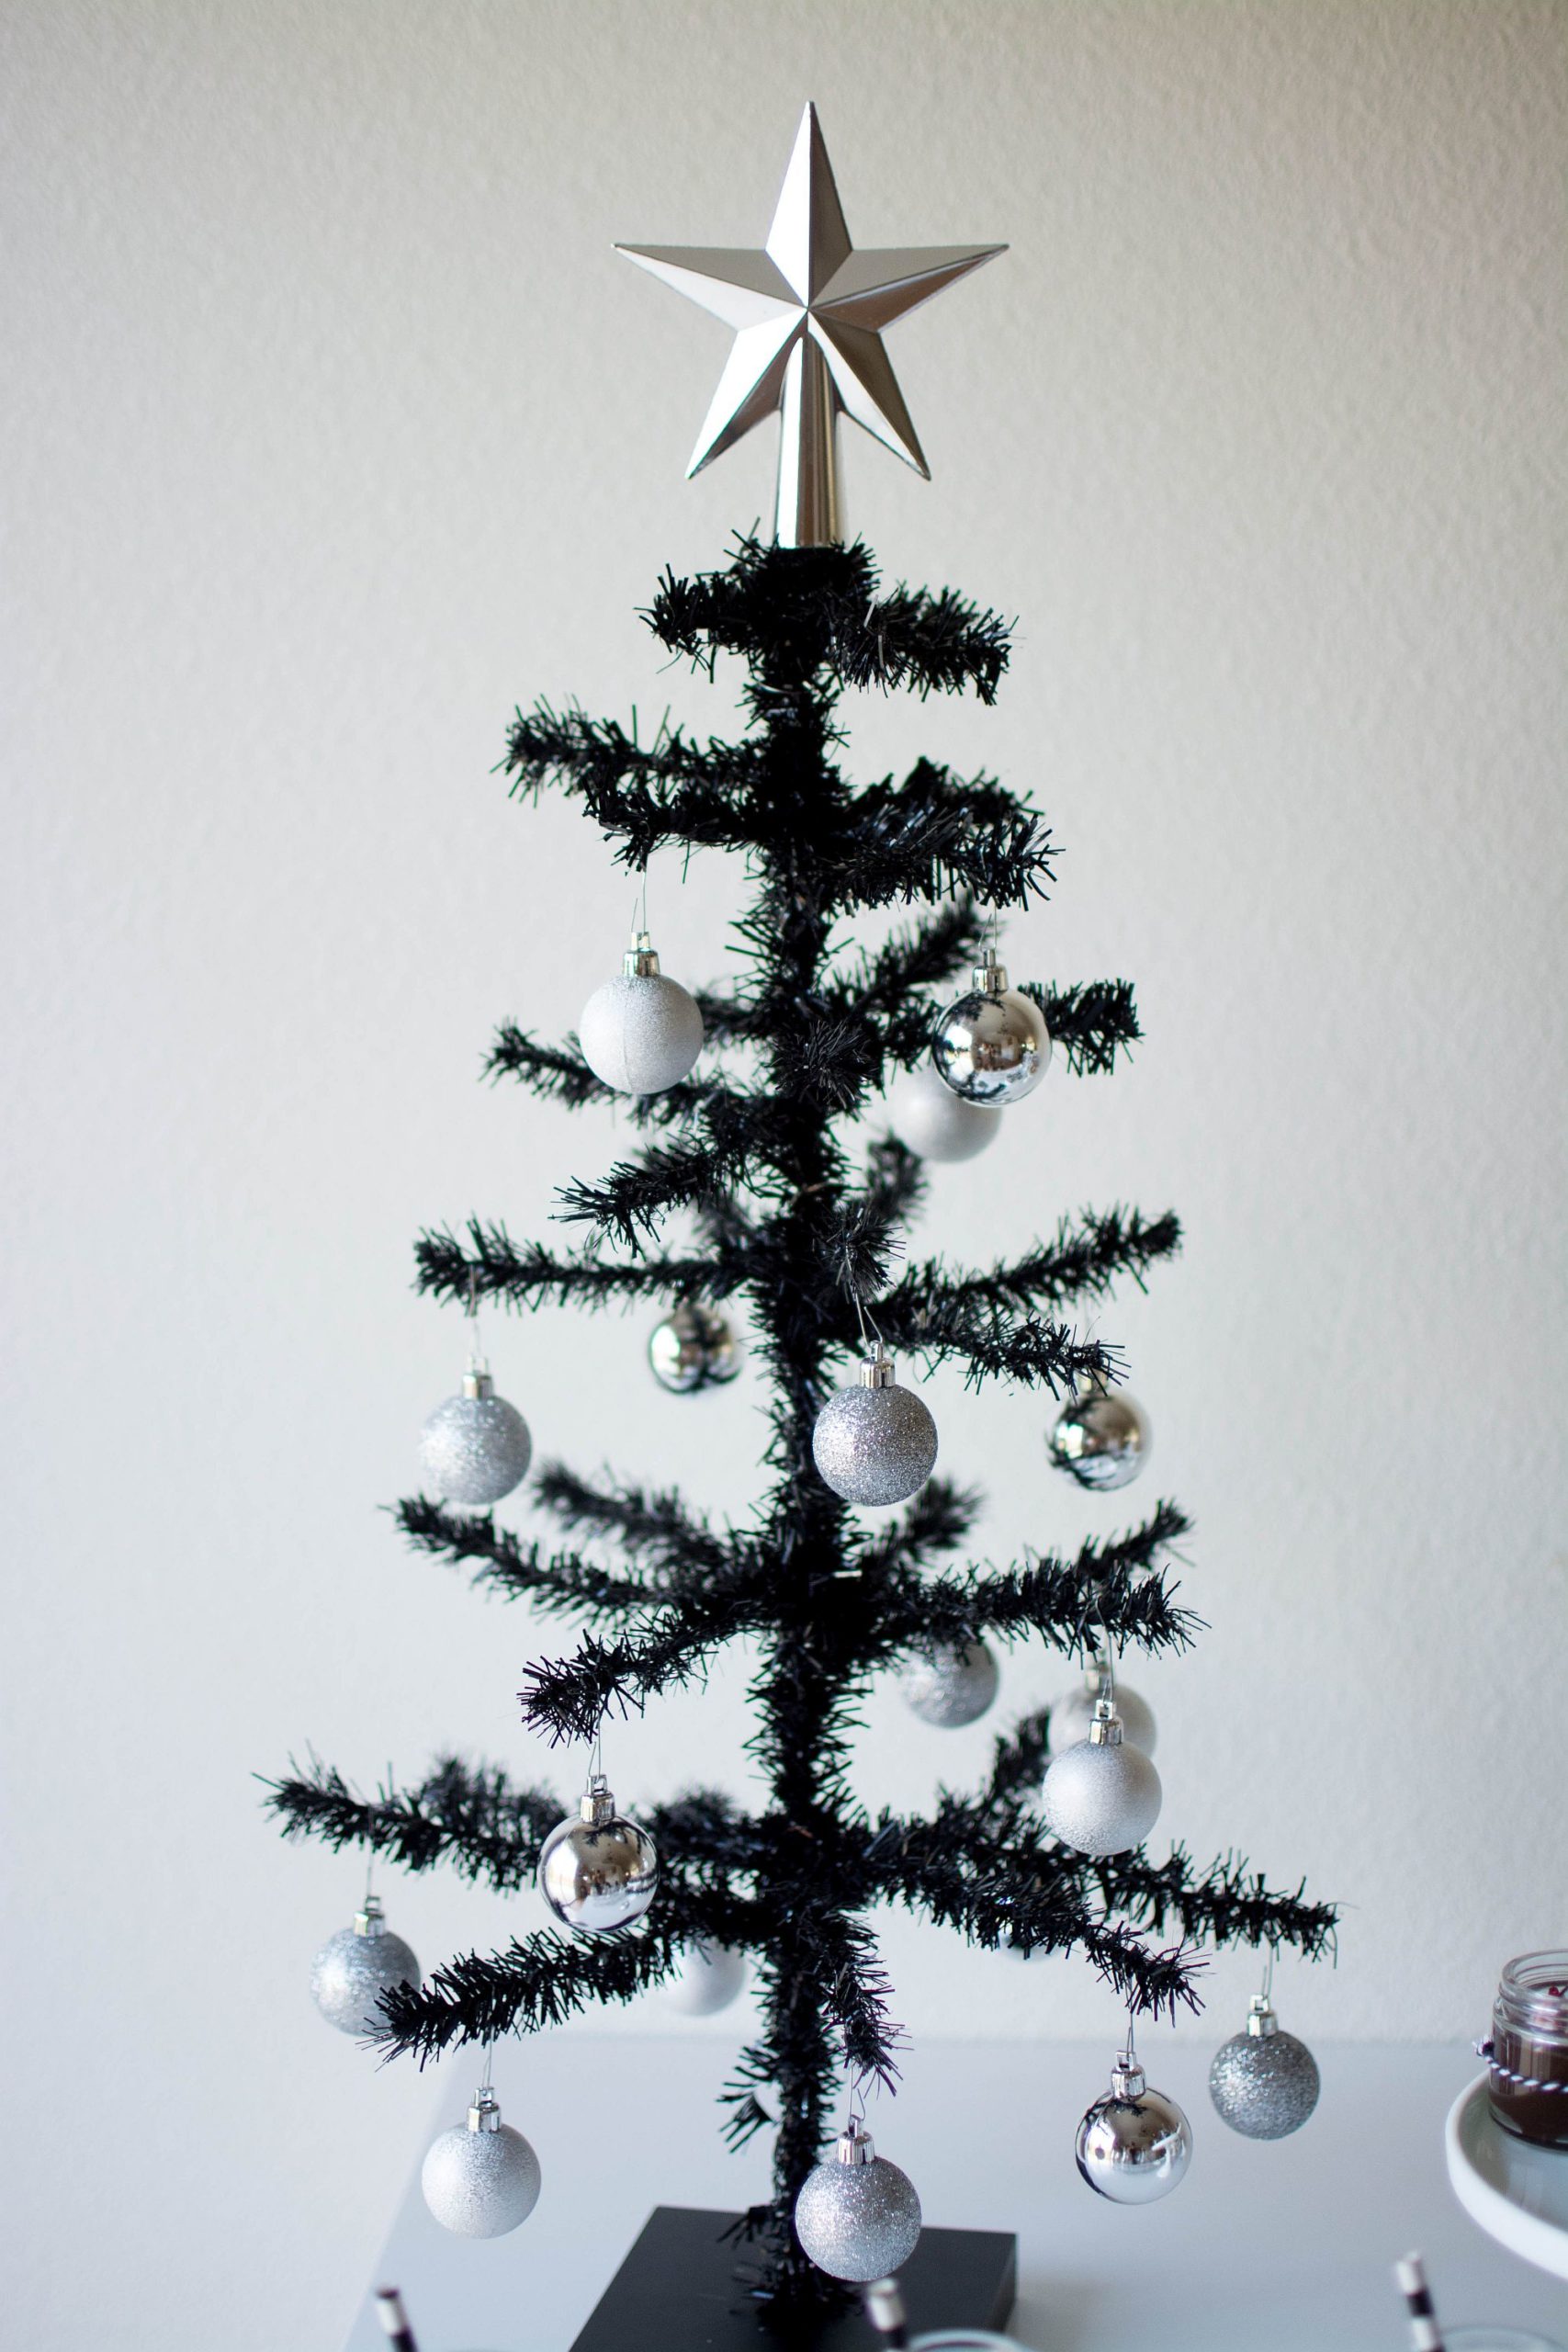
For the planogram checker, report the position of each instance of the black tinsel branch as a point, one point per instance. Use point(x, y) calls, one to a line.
point(935, 1523)
point(918, 956)
point(933, 836)
point(1090, 1024)
point(520, 1274)
point(1018, 1763)
point(637, 1193)
point(467, 1815)
point(516, 1569)
point(1084, 1258)
point(992, 1345)
point(1227, 1904)
point(559, 1074)
point(655, 1526)
point(568, 1699)
point(1114, 1587)
point(670, 789)
point(540, 1981)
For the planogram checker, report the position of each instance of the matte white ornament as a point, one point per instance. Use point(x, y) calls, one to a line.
point(1072, 1716)
point(858, 2216)
point(876, 1444)
point(1102, 1796)
point(936, 1124)
point(642, 1030)
point(992, 1046)
point(598, 1871)
point(476, 1447)
point(951, 1684)
point(481, 2178)
point(707, 1978)
point(355, 1967)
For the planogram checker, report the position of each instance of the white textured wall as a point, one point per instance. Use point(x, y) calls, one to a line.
point(332, 429)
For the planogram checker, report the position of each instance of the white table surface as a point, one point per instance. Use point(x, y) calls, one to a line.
point(1285, 2247)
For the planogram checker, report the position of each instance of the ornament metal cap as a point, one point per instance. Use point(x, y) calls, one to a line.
point(876, 1371)
point(855, 2144)
point(1106, 1729)
point(597, 1805)
point(485, 2113)
point(370, 1919)
point(477, 1381)
point(1260, 2019)
point(640, 961)
point(1127, 2078)
point(991, 978)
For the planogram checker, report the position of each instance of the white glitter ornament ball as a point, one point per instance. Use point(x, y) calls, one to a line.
point(1134, 2144)
point(874, 1444)
point(1072, 1716)
point(355, 1967)
point(937, 1123)
point(481, 2178)
point(707, 1978)
point(1103, 1795)
point(476, 1447)
point(1101, 1438)
point(992, 1046)
point(641, 1032)
point(694, 1348)
point(1264, 2083)
point(598, 1871)
point(951, 1684)
point(857, 2216)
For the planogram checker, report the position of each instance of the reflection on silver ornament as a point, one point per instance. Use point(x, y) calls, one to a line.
point(1102, 1796)
point(694, 1348)
point(874, 1444)
point(1072, 1716)
point(951, 1684)
point(1133, 2144)
point(475, 1448)
point(857, 2216)
point(598, 1871)
point(642, 1030)
point(355, 1967)
point(992, 1046)
point(1101, 1437)
point(707, 1978)
point(1264, 2083)
point(935, 1123)
point(481, 2178)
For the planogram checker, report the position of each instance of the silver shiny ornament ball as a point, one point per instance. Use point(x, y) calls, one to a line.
point(1264, 2083)
point(481, 2178)
point(857, 2216)
point(935, 1123)
point(951, 1685)
point(598, 1871)
point(642, 1030)
point(1100, 1439)
point(355, 1967)
point(692, 1348)
point(706, 1979)
point(1134, 2144)
point(476, 1447)
point(1072, 1716)
point(992, 1046)
point(874, 1444)
point(1103, 1795)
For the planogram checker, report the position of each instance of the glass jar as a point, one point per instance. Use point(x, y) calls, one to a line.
point(1526, 2056)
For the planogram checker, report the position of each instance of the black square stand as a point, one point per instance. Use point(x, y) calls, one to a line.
point(677, 2291)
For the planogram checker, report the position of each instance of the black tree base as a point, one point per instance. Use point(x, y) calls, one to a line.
point(677, 2291)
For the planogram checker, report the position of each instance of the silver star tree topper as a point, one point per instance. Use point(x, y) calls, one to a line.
point(808, 313)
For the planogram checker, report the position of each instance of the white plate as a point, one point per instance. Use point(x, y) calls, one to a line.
point(1518, 2194)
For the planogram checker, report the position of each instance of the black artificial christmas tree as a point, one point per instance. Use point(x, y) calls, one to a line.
point(745, 1191)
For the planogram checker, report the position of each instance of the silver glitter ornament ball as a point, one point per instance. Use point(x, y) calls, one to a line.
point(598, 1871)
point(1101, 1438)
point(481, 2178)
point(951, 1685)
point(1134, 2144)
point(1264, 2083)
point(992, 1046)
point(857, 2216)
point(355, 1967)
point(476, 1447)
point(692, 1348)
point(1103, 1795)
point(1072, 1716)
point(706, 1979)
point(874, 1444)
point(642, 1030)
point(935, 1123)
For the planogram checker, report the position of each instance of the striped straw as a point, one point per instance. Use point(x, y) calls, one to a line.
point(1426, 2335)
point(394, 2319)
point(885, 2309)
